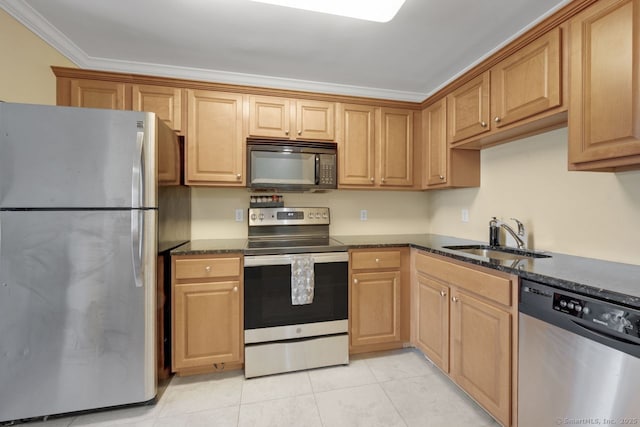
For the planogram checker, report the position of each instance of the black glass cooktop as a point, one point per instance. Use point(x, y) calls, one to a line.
point(279, 246)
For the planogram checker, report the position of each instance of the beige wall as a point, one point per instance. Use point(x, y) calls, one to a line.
point(389, 212)
point(25, 74)
point(581, 213)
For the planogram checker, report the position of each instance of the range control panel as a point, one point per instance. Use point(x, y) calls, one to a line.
point(616, 318)
point(289, 216)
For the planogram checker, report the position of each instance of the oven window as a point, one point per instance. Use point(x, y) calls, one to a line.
point(267, 296)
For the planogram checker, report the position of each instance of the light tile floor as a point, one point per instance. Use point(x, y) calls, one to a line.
point(397, 388)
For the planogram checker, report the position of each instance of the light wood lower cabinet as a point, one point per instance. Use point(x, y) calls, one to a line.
point(465, 321)
point(378, 310)
point(207, 314)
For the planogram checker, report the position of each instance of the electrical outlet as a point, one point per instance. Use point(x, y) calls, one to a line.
point(464, 213)
point(239, 215)
point(363, 214)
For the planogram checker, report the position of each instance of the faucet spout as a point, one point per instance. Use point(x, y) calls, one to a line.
point(517, 236)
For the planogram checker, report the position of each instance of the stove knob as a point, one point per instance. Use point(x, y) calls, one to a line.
point(325, 215)
point(311, 215)
point(563, 303)
point(570, 306)
point(586, 310)
point(578, 308)
point(254, 217)
point(261, 217)
point(606, 316)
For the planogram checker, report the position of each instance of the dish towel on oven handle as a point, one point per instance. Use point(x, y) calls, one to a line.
point(302, 279)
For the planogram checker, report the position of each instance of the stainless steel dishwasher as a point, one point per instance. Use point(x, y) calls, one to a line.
point(579, 359)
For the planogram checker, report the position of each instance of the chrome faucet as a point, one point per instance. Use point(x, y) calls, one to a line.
point(518, 236)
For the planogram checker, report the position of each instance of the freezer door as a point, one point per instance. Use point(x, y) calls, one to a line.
point(77, 327)
point(64, 157)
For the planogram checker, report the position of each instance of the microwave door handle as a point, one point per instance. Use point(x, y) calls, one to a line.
point(317, 169)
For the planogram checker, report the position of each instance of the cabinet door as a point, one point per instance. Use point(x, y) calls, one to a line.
point(434, 138)
point(98, 94)
point(375, 309)
point(396, 147)
point(207, 324)
point(269, 116)
point(356, 145)
point(215, 146)
point(315, 120)
point(468, 109)
point(527, 82)
point(604, 108)
point(480, 353)
point(166, 102)
point(432, 327)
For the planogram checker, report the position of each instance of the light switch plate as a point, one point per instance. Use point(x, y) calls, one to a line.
point(239, 215)
point(363, 214)
point(464, 213)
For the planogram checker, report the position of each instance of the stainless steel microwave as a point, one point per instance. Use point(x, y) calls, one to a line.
point(291, 165)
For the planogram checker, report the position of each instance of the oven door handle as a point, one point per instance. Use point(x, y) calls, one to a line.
point(318, 258)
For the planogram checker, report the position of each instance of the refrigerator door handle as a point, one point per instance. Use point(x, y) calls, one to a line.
point(137, 245)
point(137, 180)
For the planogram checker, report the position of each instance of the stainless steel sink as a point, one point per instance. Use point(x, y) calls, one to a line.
point(497, 252)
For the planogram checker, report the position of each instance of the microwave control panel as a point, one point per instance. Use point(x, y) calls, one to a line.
point(327, 169)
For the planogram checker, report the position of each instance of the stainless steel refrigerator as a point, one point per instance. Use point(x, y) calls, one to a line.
point(78, 247)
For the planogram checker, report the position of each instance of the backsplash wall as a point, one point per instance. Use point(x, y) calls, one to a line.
point(592, 214)
point(389, 212)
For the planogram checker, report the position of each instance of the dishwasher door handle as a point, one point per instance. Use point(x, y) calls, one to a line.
point(603, 334)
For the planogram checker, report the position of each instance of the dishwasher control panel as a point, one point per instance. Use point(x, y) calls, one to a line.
point(604, 316)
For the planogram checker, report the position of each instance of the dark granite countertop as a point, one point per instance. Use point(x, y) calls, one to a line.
point(210, 247)
point(612, 281)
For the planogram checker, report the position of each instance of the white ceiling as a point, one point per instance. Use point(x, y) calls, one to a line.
point(427, 44)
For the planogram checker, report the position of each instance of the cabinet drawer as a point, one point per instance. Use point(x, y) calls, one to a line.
point(484, 284)
point(375, 260)
point(204, 268)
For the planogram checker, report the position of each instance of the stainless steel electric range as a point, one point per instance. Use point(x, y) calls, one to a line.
point(280, 333)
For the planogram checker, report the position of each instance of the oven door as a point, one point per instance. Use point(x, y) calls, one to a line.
point(267, 291)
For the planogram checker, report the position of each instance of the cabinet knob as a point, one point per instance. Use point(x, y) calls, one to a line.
point(238, 176)
point(355, 281)
point(496, 119)
point(483, 124)
point(299, 132)
point(207, 268)
point(384, 180)
point(235, 289)
point(377, 260)
point(455, 299)
point(443, 294)
point(371, 179)
point(441, 177)
point(286, 132)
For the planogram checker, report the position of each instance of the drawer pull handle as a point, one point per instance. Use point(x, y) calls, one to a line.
point(235, 289)
point(377, 260)
point(207, 268)
point(355, 281)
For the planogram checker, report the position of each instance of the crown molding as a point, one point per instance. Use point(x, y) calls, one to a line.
point(35, 22)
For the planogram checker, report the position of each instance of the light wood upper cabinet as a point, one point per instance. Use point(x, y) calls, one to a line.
point(432, 320)
point(396, 147)
point(527, 82)
point(468, 109)
point(269, 117)
point(604, 109)
point(480, 352)
point(207, 313)
point(166, 102)
point(356, 145)
point(275, 117)
point(215, 145)
point(99, 94)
